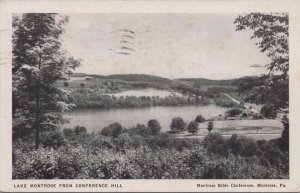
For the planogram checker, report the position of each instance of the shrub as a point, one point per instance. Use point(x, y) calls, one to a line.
point(284, 141)
point(153, 127)
point(68, 132)
point(276, 157)
point(139, 129)
point(193, 127)
point(66, 84)
point(165, 158)
point(199, 119)
point(112, 130)
point(268, 111)
point(225, 102)
point(177, 124)
point(239, 168)
point(210, 126)
point(101, 142)
point(215, 143)
point(244, 115)
point(52, 139)
point(258, 116)
point(234, 112)
point(40, 164)
point(80, 130)
point(242, 146)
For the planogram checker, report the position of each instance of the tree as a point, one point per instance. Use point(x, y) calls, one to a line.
point(272, 33)
point(193, 127)
point(284, 141)
point(153, 127)
point(268, 111)
point(66, 84)
point(178, 124)
point(244, 115)
point(38, 63)
point(234, 112)
point(200, 119)
point(78, 130)
point(112, 130)
point(141, 129)
point(210, 126)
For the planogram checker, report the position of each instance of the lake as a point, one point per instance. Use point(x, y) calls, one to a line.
point(96, 119)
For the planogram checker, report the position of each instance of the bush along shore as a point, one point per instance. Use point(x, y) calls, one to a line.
point(143, 152)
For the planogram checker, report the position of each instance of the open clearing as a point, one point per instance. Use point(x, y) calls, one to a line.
point(146, 92)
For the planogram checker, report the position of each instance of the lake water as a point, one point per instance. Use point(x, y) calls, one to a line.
point(96, 119)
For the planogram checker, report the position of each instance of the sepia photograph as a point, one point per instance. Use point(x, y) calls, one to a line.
point(150, 95)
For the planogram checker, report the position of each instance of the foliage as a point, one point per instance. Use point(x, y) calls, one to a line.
point(52, 139)
point(154, 157)
point(177, 124)
point(234, 112)
point(139, 129)
point(284, 141)
point(85, 97)
point(221, 89)
point(244, 115)
point(272, 32)
point(66, 84)
point(267, 90)
point(38, 62)
point(199, 119)
point(268, 111)
point(210, 126)
point(153, 127)
point(225, 102)
point(241, 146)
point(193, 127)
point(78, 130)
point(214, 142)
point(112, 130)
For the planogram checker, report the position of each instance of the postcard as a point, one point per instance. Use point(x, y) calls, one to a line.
point(149, 96)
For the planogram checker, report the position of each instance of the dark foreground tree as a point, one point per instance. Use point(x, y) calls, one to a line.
point(284, 141)
point(177, 124)
point(153, 127)
point(272, 89)
point(38, 63)
point(271, 31)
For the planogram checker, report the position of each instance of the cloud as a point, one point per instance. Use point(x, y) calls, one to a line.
point(257, 66)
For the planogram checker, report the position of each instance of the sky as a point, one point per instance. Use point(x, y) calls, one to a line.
point(203, 45)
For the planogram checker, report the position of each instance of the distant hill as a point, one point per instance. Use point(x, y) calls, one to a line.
point(204, 81)
point(161, 80)
point(140, 78)
point(85, 75)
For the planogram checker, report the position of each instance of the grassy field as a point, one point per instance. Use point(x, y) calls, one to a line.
point(257, 129)
point(146, 92)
